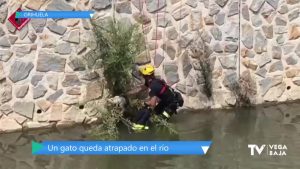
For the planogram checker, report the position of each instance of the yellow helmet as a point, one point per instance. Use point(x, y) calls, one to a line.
point(147, 70)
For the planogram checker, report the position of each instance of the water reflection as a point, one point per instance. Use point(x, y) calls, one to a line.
point(230, 130)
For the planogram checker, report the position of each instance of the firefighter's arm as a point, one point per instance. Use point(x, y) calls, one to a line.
point(152, 101)
point(137, 89)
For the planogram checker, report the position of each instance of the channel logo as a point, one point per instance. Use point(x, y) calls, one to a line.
point(270, 150)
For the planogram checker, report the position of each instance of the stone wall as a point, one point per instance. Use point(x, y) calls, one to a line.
point(44, 81)
point(270, 47)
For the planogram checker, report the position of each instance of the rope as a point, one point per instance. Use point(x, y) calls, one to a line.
point(180, 20)
point(156, 29)
point(164, 38)
point(114, 9)
point(143, 27)
point(239, 57)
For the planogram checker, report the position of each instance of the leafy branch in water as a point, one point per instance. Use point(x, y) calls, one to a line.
point(107, 130)
point(160, 122)
point(117, 46)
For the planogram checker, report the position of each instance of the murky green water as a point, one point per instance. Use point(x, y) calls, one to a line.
point(231, 131)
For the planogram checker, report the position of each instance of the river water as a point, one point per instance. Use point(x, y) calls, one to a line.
point(230, 130)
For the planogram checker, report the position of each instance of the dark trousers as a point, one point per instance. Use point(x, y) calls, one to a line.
point(169, 108)
point(143, 116)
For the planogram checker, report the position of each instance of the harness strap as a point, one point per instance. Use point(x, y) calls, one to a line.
point(163, 90)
